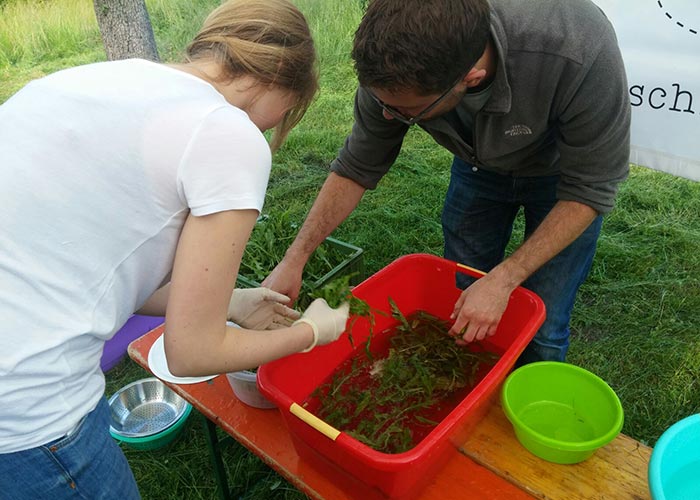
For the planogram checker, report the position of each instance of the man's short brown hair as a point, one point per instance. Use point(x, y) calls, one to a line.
point(422, 45)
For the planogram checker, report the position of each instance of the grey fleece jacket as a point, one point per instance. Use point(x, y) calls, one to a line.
point(559, 106)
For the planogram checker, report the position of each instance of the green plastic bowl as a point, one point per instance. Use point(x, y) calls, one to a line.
point(561, 412)
point(157, 440)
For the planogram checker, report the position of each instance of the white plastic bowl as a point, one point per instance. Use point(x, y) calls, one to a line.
point(245, 387)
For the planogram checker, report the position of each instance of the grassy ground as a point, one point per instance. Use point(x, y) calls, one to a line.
point(636, 323)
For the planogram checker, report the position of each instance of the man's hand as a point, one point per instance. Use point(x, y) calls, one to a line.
point(285, 279)
point(479, 309)
point(337, 199)
point(260, 309)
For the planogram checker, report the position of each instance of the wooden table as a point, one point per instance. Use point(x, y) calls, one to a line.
point(491, 464)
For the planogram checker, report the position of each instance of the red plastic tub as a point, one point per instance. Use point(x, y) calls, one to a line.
point(414, 282)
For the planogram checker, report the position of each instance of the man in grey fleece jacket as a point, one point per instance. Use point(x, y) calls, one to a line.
point(531, 98)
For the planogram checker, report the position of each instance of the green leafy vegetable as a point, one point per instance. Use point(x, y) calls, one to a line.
point(391, 402)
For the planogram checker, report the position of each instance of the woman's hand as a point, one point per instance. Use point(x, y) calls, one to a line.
point(328, 324)
point(260, 309)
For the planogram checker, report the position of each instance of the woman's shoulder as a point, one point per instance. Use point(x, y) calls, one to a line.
point(229, 120)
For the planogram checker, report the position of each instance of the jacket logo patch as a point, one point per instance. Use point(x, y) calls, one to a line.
point(516, 130)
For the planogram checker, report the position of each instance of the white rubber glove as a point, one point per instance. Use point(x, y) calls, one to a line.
point(327, 323)
point(260, 309)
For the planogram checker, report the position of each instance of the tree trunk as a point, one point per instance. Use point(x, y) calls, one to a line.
point(126, 29)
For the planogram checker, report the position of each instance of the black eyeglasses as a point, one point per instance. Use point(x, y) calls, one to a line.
point(398, 115)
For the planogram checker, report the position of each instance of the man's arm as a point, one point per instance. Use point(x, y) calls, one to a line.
point(480, 307)
point(337, 199)
point(368, 153)
point(593, 141)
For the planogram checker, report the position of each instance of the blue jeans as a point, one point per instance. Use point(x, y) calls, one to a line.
point(87, 464)
point(477, 222)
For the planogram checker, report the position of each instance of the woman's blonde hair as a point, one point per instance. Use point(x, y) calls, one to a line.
point(268, 40)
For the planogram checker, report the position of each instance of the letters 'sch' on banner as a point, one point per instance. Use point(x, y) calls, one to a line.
point(660, 43)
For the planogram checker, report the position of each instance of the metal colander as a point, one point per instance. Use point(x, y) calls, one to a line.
point(145, 407)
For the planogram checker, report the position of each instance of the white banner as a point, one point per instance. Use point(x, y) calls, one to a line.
point(660, 43)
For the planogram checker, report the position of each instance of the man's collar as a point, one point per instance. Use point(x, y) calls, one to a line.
point(500, 101)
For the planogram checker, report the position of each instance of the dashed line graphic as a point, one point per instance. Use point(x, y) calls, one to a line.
point(678, 23)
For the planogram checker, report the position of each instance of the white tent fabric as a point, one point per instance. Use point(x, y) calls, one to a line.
point(660, 43)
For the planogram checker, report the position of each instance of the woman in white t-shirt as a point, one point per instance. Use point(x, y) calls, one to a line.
point(115, 179)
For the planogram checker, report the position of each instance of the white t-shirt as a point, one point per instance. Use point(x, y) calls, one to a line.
point(99, 167)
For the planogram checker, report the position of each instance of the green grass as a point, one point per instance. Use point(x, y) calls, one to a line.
point(636, 322)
